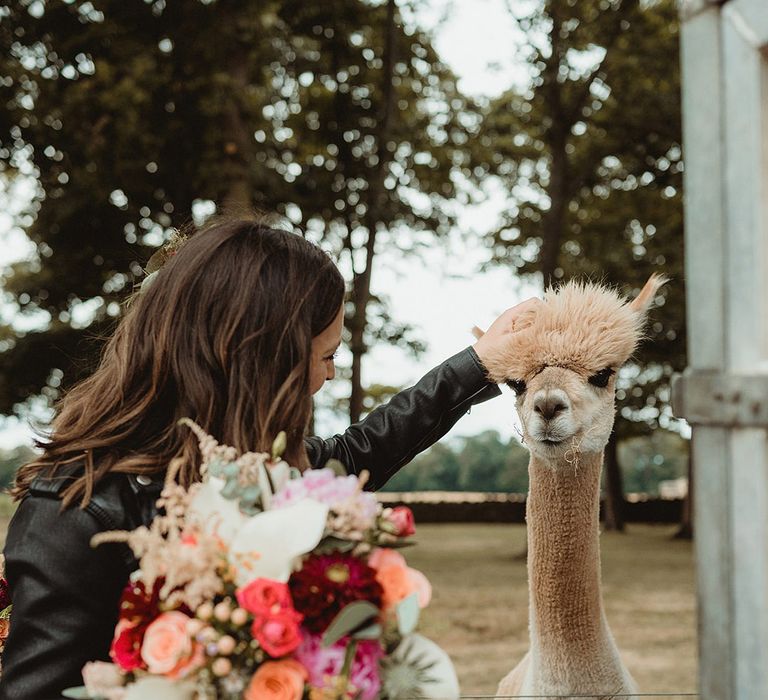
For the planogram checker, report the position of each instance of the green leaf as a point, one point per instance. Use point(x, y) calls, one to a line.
point(334, 544)
point(338, 468)
point(79, 693)
point(230, 490)
point(408, 612)
point(371, 632)
point(349, 619)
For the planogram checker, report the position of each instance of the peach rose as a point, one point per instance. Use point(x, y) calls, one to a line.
point(397, 579)
point(277, 680)
point(168, 650)
point(385, 557)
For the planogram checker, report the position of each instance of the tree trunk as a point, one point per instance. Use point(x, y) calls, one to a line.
point(614, 491)
point(554, 221)
point(361, 288)
point(686, 519)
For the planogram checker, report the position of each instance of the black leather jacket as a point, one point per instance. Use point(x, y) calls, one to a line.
point(65, 593)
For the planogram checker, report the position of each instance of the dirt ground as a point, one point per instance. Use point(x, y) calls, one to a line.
point(479, 610)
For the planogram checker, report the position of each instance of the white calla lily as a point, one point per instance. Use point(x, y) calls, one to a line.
point(267, 545)
point(215, 514)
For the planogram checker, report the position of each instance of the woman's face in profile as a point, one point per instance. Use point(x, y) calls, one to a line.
point(324, 347)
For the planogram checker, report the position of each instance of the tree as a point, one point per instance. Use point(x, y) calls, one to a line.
point(131, 113)
point(590, 154)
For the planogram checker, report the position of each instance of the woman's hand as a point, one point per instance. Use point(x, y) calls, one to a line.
point(496, 336)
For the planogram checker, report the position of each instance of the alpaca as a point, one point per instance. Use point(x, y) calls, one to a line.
point(562, 361)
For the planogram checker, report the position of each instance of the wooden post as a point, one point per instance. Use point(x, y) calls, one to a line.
point(724, 392)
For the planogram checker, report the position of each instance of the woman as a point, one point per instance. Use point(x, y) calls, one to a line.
point(237, 331)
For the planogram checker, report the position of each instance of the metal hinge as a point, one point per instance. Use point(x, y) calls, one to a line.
point(709, 397)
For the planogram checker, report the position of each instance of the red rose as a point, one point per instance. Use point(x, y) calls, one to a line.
point(279, 633)
point(126, 645)
point(402, 518)
point(263, 596)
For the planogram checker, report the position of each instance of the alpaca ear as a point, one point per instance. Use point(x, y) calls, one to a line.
point(477, 332)
point(642, 302)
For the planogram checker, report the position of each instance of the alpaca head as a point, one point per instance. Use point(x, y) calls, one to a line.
point(562, 363)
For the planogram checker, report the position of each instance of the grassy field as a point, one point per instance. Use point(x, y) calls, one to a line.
point(479, 610)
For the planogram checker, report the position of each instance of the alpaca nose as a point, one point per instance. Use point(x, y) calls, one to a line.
point(549, 404)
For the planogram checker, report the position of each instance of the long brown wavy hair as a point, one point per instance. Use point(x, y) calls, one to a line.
point(223, 336)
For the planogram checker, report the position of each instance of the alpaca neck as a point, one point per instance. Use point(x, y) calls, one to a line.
point(568, 628)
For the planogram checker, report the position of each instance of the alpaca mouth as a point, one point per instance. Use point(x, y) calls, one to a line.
point(550, 442)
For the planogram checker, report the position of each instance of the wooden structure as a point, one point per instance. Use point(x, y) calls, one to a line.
point(724, 392)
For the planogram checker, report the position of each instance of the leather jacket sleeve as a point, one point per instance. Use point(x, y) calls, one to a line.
point(64, 593)
point(393, 434)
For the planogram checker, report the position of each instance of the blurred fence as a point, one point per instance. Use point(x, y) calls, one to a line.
point(479, 507)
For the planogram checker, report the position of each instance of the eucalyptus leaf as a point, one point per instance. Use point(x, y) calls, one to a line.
point(231, 490)
point(408, 612)
point(371, 632)
point(334, 544)
point(231, 469)
point(349, 619)
point(251, 493)
point(338, 468)
point(78, 693)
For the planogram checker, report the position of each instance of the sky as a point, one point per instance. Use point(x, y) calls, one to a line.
point(443, 292)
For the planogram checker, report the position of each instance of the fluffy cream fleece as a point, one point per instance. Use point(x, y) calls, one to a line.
point(581, 326)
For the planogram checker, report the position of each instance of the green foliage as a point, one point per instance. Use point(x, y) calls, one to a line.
point(10, 461)
point(480, 463)
point(127, 113)
point(485, 462)
point(648, 460)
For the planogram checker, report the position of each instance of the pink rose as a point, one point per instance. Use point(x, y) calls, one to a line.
point(168, 649)
point(278, 633)
point(402, 519)
point(263, 596)
point(382, 557)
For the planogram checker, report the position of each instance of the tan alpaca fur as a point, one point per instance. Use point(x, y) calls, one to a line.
point(583, 327)
point(579, 330)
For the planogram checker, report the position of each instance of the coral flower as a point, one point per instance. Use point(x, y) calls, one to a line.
point(262, 596)
point(398, 580)
point(327, 583)
point(277, 680)
point(278, 633)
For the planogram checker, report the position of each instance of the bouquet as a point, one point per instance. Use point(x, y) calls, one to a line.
point(263, 583)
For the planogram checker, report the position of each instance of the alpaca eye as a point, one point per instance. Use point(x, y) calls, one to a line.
point(600, 379)
point(517, 385)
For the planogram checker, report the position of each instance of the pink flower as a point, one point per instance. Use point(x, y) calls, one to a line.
point(402, 519)
point(278, 633)
point(325, 663)
point(168, 649)
point(324, 486)
point(263, 596)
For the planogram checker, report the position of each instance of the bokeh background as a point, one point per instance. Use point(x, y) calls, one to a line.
point(455, 156)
